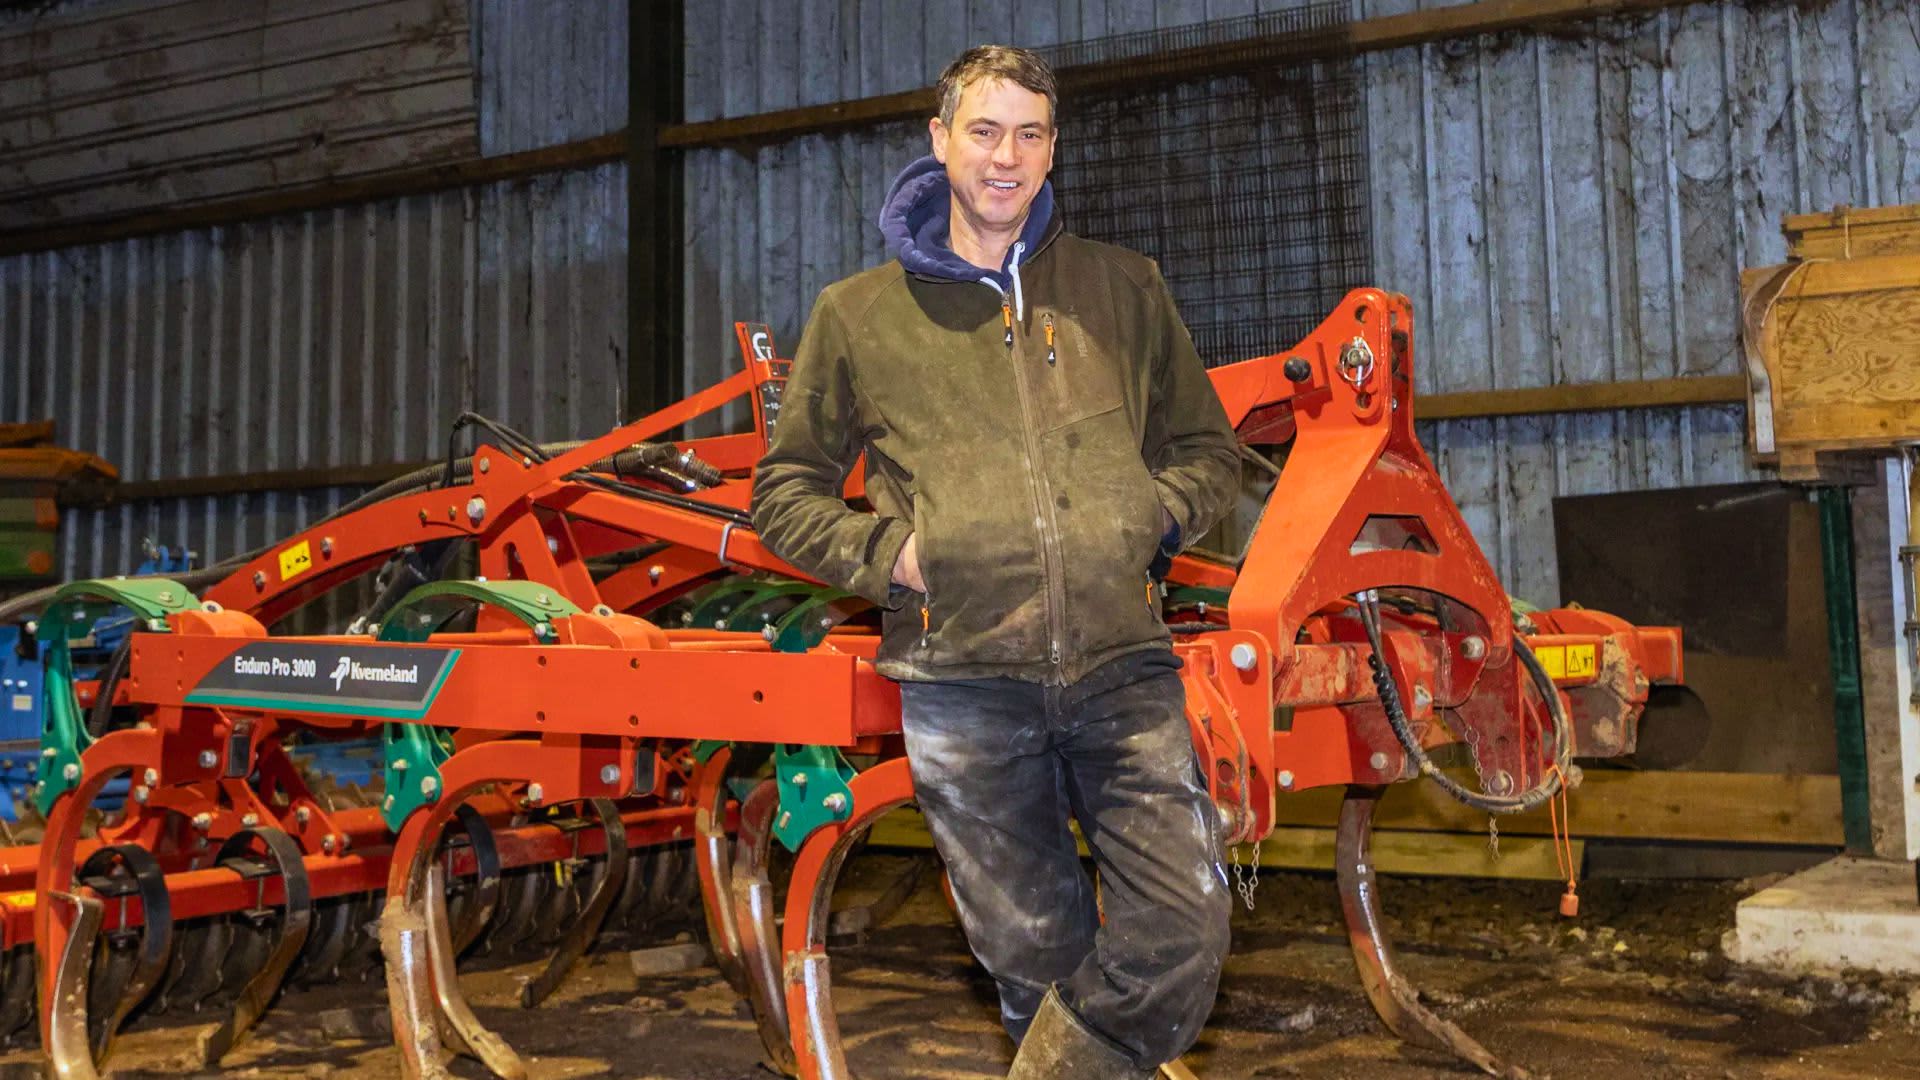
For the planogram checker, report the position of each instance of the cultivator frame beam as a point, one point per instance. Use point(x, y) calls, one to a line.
point(1361, 628)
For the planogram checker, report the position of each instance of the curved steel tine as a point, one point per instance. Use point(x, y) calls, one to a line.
point(485, 897)
point(194, 974)
point(1393, 997)
point(403, 942)
point(714, 850)
point(754, 917)
point(523, 895)
point(626, 908)
point(295, 923)
point(16, 991)
point(608, 882)
point(469, 1035)
point(327, 943)
point(156, 936)
point(68, 1051)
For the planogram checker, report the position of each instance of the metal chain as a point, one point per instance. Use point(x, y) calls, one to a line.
point(1245, 883)
point(1493, 837)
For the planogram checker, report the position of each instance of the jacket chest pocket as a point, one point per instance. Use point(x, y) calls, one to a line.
point(1077, 374)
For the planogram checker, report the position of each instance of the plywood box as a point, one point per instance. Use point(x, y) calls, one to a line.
point(1833, 351)
point(1848, 233)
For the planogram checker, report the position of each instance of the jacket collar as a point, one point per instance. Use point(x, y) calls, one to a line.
point(914, 221)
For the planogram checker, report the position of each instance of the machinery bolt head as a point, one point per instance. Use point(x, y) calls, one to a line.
point(259, 580)
point(543, 599)
point(165, 596)
point(535, 793)
point(799, 779)
point(208, 759)
point(211, 606)
point(326, 547)
point(1422, 697)
point(1286, 779)
point(484, 465)
point(835, 802)
point(609, 774)
point(399, 764)
point(543, 628)
point(203, 822)
point(248, 821)
point(429, 786)
point(71, 772)
point(48, 752)
point(1378, 761)
point(1243, 657)
point(553, 544)
point(140, 794)
point(302, 816)
point(1473, 646)
point(602, 610)
point(653, 574)
point(1500, 783)
point(326, 844)
point(32, 627)
point(151, 777)
point(1297, 369)
point(767, 633)
point(476, 509)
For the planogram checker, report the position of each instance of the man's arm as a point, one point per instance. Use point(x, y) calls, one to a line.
point(1189, 447)
point(797, 505)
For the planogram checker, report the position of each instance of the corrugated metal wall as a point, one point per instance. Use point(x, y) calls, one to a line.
point(1567, 207)
point(108, 109)
point(350, 335)
point(551, 71)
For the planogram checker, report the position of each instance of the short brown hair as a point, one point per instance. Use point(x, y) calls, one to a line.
point(1022, 67)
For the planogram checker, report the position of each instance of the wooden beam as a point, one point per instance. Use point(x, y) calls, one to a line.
point(1622, 804)
point(390, 185)
point(1367, 35)
point(1528, 858)
point(1584, 397)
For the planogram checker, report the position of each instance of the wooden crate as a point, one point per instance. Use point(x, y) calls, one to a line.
point(1833, 348)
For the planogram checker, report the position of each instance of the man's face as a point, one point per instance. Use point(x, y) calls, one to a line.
point(997, 153)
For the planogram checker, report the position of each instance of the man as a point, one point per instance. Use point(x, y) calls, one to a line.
point(1037, 428)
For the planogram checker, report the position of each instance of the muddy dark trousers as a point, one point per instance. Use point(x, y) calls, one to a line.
point(998, 765)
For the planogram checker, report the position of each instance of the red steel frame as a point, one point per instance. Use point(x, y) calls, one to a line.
point(613, 685)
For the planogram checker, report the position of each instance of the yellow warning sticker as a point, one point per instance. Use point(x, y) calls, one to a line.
point(296, 560)
point(1567, 661)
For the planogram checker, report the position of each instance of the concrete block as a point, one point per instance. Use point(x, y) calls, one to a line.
point(1845, 913)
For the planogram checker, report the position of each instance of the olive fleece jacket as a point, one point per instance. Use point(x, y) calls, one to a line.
point(1028, 426)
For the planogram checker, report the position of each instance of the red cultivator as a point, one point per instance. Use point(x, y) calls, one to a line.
point(623, 643)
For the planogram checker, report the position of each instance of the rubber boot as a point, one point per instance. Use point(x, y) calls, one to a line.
point(1059, 1046)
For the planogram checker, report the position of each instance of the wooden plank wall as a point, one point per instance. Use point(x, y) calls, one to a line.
point(110, 108)
point(1565, 208)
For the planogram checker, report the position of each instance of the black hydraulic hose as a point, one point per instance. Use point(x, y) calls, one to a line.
point(1403, 730)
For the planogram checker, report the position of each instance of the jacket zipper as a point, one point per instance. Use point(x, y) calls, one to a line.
point(1042, 488)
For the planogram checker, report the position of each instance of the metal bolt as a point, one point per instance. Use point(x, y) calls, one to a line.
point(326, 546)
point(248, 821)
point(602, 610)
point(151, 776)
point(48, 752)
point(1422, 697)
point(609, 774)
point(835, 802)
point(399, 764)
point(1243, 657)
point(536, 793)
point(211, 606)
point(423, 517)
point(1378, 760)
point(826, 622)
point(799, 779)
point(259, 580)
point(767, 633)
point(543, 628)
point(71, 772)
point(429, 786)
point(653, 574)
point(302, 816)
point(208, 759)
point(553, 544)
point(203, 822)
point(1286, 778)
point(542, 599)
point(484, 465)
point(165, 596)
point(326, 844)
point(476, 509)
point(140, 794)
point(1473, 646)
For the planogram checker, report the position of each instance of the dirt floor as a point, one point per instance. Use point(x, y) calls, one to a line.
point(1636, 987)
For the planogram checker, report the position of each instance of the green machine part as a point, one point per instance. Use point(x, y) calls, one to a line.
point(70, 616)
point(414, 753)
point(813, 791)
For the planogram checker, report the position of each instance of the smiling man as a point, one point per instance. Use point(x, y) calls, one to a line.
point(1038, 433)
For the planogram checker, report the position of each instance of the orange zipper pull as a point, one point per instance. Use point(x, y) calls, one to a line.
point(1049, 325)
point(926, 621)
point(1006, 318)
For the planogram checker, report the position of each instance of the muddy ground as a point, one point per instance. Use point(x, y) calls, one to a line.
point(1636, 987)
